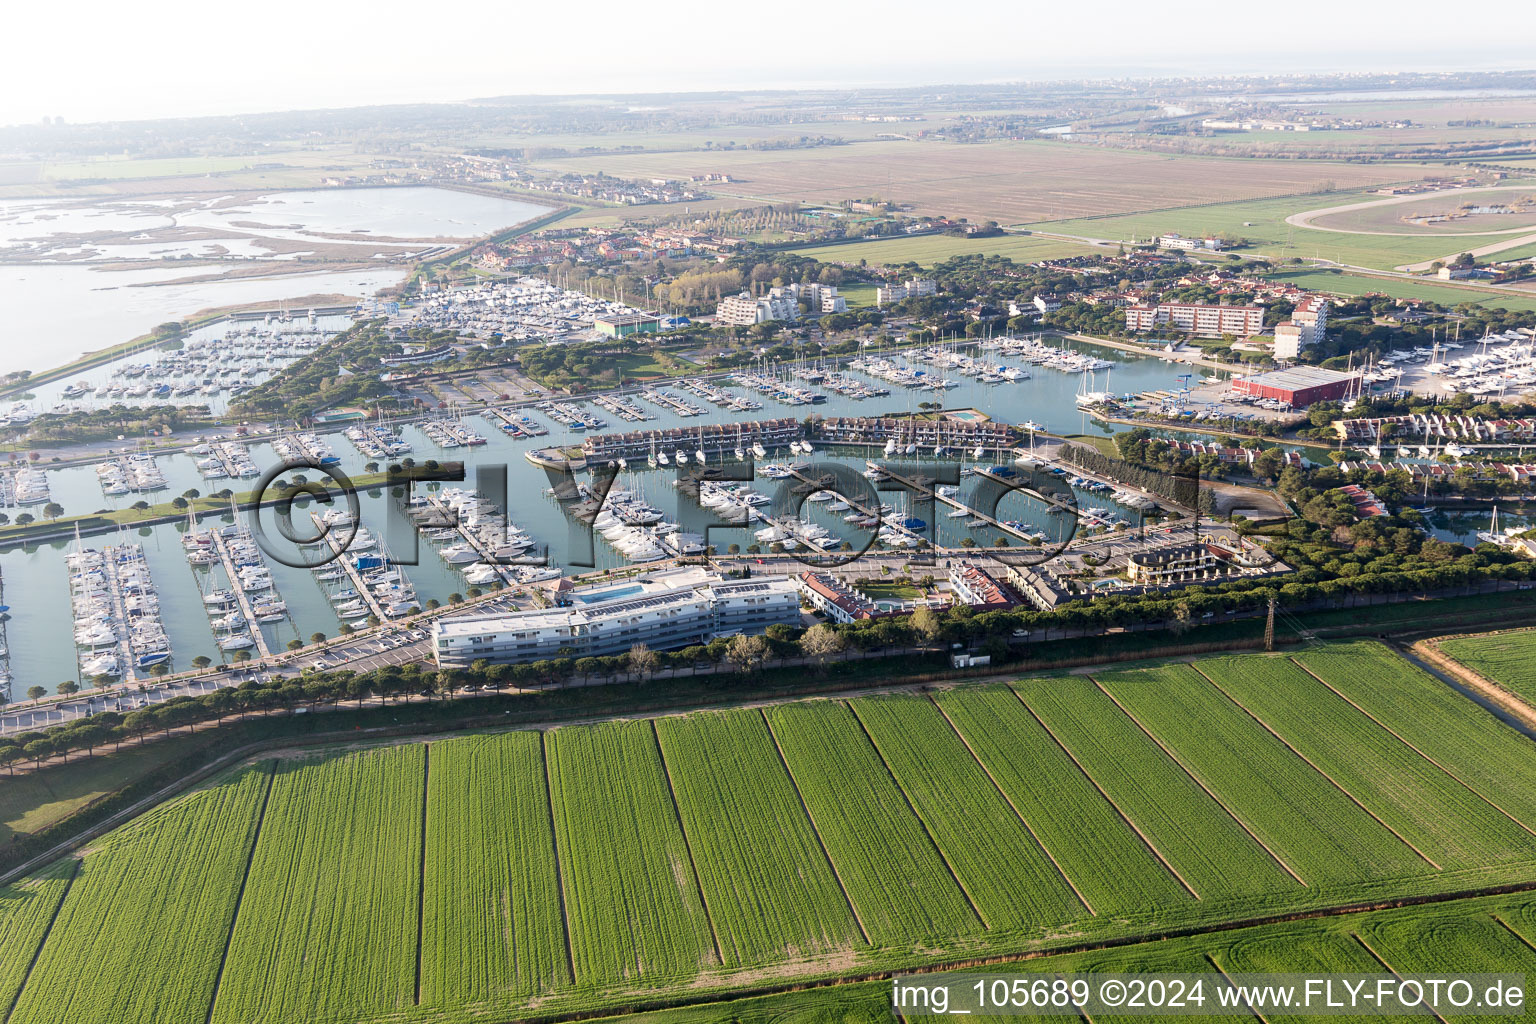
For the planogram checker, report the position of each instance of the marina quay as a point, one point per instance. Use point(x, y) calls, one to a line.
point(663, 610)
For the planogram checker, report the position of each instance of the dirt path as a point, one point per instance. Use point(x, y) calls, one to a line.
point(1429, 656)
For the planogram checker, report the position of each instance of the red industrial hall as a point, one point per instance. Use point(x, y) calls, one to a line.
point(1300, 385)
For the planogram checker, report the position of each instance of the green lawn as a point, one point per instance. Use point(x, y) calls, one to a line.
point(36, 800)
point(1262, 222)
point(1343, 283)
point(927, 250)
point(858, 295)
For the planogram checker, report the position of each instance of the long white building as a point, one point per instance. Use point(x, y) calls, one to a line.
point(1197, 318)
point(667, 609)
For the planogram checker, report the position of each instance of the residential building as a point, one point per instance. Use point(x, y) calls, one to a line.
point(1299, 386)
point(913, 288)
point(1195, 318)
point(1047, 303)
point(667, 609)
point(973, 586)
point(819, 298)
point(743, 310)
point(1307, 327)
point(1039, 588)
point(835, 599)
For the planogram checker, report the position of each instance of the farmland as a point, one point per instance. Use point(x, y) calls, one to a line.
point(1010, 182)
point(1312, 828)
point(139, 899)
point(327, 924)
point(772, 895)
point(891, 868)
point(492, 925)
point(596, 866)
point(1508, 659)
point(926, 250)
point(634, 895)
point(1466, 932)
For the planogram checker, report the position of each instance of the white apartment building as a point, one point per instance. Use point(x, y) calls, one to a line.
point(667, 609)
point(1308, 326)
point(914, 288)
point(819, 298)
point(1195, 318)
point(743, 310)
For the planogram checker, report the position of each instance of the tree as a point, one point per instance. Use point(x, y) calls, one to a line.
point(317, 638)
point(926, 623)
point(746, 652)
point(643, 661)
point(53, 510)
point(202, 661)
point(68, 686)
point(822, 642)
point(36, 693)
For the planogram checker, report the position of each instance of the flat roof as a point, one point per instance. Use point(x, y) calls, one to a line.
point(1298, 377)
point(625, 319)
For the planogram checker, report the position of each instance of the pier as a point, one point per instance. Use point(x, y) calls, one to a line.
point(241, 597)
point(488, 557)
point(350, 568)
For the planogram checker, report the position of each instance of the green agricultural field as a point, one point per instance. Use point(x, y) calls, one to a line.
point(1459, 736)
point(591, 868)
point(1442, 819)
point(900, 885)
point(770, 888)
point(1319, 946)
point(1311, 827)
point(1509, 659)
point(926, 250)
point(1005, 873)
point(328, 923)
point(1343, 283)
point(629, 880)
point(163, 891)
point(492, 921)
point(1114, 868)
point(1208, 850)
point(26, 912)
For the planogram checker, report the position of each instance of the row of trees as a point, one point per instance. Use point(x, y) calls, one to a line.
point(1326, 573)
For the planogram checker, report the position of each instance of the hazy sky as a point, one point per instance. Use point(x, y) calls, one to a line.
point(106, 59)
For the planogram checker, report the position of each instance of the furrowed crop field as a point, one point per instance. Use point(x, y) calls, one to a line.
point(160, 893)
point(492, 925)
point(1466, 931)
point(1508, 659)
point(594, 867)
point(1311, 827)
point(630, 883)
point(772, 895)
point(1010, 182)
point(327, 925)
